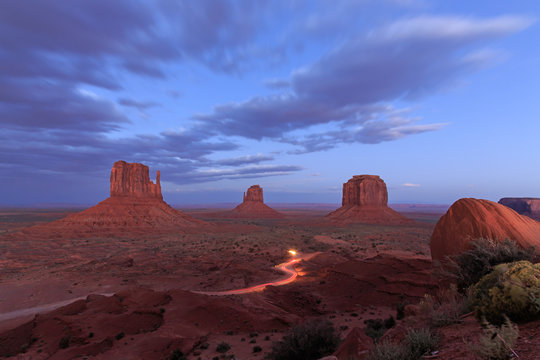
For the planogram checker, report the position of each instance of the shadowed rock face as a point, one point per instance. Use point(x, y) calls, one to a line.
point(365, 200)
point(365, 190)
point(468, 219)
point(525, 206)
point(133, 180)
point(254, 193)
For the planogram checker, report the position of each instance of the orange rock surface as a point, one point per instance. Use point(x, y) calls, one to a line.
point(468, 219)
point(365, 200)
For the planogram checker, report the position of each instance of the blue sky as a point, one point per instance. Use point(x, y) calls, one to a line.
point(439, 98)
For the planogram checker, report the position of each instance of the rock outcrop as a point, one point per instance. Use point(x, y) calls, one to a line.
point(133, 180)
point(525, 206)
point(135, 207)
point(469, 219)
point(253, 206)
point(365, 200)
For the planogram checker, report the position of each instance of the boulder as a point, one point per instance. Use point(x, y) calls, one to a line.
point(469, 219)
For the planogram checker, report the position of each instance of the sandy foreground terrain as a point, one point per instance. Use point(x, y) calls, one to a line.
point(149, 295)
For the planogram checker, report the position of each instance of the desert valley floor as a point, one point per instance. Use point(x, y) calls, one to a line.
point(357, 272)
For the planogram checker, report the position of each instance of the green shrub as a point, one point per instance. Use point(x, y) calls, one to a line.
point(309, 341)
point(512, 289)
point(469, 266)
point(496, 342)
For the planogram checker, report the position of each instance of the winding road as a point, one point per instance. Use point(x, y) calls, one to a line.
point(286, 267)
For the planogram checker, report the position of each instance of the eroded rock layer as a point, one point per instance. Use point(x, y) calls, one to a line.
point(135, 207)
point(254, 207)
point(469, 219)
point(365, 200)
point(525, 206)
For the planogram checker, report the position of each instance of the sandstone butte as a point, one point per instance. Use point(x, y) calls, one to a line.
point(469, 219)
point(525, 206)
point(365, 200)
point(253, 206)
point(135, 206)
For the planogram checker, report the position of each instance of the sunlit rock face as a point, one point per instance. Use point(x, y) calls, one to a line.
point(525, 206)
point(365, 200)
point(133, 180)
point(468, 219)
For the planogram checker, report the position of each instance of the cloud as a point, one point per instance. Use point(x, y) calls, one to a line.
point(277, 83)
point(139, 105)
point(349, 86)
point(410, 185)
point(242, 160)
point(253, 171)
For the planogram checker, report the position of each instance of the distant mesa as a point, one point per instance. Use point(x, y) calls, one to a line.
point(525, 206)
point(365, 200)
point(468, 219)
point(135, 206)
point(253, 206)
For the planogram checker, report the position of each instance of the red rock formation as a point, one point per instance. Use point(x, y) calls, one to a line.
point(254, 193)
point(356, 345)
point(132, 180)
point(525, 206)
point(135, 207)
point(253, 206)
point(365, 200)
point(469, 219)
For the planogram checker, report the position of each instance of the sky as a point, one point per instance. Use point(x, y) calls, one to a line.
point(439, 98)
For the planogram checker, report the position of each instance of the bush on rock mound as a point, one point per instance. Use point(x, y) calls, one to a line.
point(512, 289)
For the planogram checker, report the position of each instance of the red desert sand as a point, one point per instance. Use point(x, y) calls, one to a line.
point(469, 219)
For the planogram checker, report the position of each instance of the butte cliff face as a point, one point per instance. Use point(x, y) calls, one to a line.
point(365, 200)
point(135, 207)
point(525, 206)
point(133, 180)
point(253, 206)
point(469, 219)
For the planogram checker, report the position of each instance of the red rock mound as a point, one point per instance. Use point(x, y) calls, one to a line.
point(525, 206)
point(135, 206)
point(356, 345)
point(253, 207)
point(468, 219)
point(365, 200)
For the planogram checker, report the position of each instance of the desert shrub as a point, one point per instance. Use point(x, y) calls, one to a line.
point(469, 266)
point(257, 349)
point(223, 347)
point(512, 289)
point(446, 307)
point(177, 354)
point(375, 328)
point(120, 335)
point(419, 342)
point(64, 342)
point(311, 340)
point(387, 351)
point(496, 342)
point(416, 343)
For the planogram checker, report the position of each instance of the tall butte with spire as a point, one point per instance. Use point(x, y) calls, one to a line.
point(365, 200)
point(253, 206)
point(135, 206)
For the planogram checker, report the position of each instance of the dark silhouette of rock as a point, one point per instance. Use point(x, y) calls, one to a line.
point(525, 206)
point(132, 180)
point(365, 200)
point(253, 206)
point(135, 206)
point(468, 219)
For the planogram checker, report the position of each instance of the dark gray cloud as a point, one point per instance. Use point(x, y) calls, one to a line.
point(139, 105)
point(404, 60)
